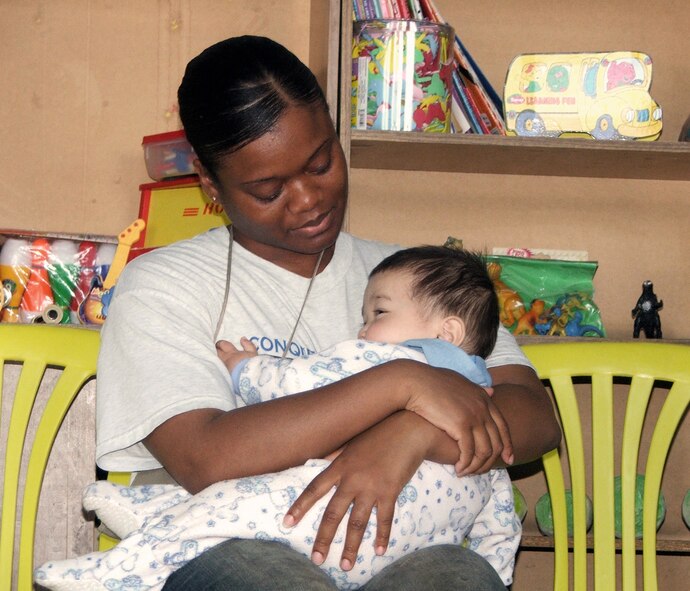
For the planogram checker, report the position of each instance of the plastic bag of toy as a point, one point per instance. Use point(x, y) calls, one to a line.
point(60, 278)
point(546, 297)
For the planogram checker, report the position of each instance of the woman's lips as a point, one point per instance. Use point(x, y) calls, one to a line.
point(316, 226)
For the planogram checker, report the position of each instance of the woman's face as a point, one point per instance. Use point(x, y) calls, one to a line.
point(286, 192)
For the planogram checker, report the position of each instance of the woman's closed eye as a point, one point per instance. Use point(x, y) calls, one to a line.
point(269, 198)
point(266, 190)
point(320, 167)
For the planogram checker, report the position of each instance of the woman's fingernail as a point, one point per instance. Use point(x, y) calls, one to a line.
point(380, 550)
point(345, 564)
point(317, 558)
point(288, 520)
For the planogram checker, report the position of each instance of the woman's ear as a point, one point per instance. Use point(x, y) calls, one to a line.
point(453, 330)
point(208, 185)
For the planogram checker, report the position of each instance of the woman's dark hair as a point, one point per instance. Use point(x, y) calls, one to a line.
point(452, 282)
point(235, 91)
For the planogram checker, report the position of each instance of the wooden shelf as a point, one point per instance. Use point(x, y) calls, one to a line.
point(571, 157)
point(662, 545)
point(532, 340)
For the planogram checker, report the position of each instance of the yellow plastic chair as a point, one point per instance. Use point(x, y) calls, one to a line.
point(105, 540)
point(645, 363)
point(35, 347)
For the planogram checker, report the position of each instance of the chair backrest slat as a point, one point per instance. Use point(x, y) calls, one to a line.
point(616, 373)
point(74, 351)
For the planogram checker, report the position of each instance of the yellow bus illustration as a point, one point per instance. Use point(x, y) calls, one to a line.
point(605, 95)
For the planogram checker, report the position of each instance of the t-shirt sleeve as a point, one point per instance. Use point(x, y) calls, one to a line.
point(506, 351)
point(151, 368)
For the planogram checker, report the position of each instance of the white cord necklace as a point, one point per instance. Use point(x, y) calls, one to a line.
point(227, 293)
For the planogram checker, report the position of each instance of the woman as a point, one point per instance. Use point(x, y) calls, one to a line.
point(287, 277)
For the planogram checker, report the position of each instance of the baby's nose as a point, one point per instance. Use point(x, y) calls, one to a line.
point(362, 334)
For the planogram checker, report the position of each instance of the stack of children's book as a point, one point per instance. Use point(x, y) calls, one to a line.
point(476, 107)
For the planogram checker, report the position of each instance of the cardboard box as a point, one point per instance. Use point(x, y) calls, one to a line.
point(175, 210)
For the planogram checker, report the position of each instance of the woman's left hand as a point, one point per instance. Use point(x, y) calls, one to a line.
point(370, 472)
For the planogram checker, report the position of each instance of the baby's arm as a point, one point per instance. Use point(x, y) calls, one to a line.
point(231, 355)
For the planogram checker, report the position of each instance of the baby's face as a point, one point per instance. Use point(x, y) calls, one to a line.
point(389, 313)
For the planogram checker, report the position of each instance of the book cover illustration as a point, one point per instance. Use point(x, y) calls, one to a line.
point(600, 95)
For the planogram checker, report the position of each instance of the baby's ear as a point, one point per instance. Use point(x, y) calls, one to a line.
point(453, 330)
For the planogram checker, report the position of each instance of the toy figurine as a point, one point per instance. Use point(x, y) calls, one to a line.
point(15, 267)
point(646, 313)
point(510, 305)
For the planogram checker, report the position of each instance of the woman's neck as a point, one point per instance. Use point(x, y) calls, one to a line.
point(302, 264)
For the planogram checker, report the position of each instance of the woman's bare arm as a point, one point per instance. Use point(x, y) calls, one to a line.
point(204, 446)
point(372, 468)
point(527, 408)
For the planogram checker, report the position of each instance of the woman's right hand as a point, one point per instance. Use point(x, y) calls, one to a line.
point(370, 471)
point(467, 414)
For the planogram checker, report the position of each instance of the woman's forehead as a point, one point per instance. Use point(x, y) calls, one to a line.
point(291, 143)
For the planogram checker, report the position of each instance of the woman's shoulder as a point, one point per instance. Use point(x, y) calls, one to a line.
point(185, 258)
point(371, 252)
point(202, 250)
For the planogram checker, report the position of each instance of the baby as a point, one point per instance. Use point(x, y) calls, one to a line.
point(430, 304)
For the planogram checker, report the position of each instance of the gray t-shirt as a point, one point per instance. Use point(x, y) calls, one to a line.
point(158, 355)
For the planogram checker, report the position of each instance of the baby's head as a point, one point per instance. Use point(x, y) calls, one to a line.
point(432, 292)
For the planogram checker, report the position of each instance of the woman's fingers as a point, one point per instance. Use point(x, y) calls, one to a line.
point(482, 446)
point(333, 515)
point(330, 520)
point(384, 523)
point(356, 527)
point(363, 479)
point(316, 489)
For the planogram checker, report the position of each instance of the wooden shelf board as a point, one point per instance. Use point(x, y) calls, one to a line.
point(571, 157)
point(533, 340)
point(662, 545)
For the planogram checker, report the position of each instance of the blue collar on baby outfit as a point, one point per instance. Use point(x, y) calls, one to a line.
point(444, 354)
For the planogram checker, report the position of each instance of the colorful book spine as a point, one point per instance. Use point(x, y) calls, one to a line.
point(493, 95)
point(369, 9)
point(486, 113)
point(378, 11)
point(416, 10)
point(476, 106)
point(404, 9)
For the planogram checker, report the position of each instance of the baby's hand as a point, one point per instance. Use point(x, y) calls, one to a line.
point(231, 355)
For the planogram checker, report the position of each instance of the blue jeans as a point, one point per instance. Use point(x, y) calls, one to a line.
point(256, 565)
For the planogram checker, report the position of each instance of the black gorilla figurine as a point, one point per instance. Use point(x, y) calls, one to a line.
point(645, 313)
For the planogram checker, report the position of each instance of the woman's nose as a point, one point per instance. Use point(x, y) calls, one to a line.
point(305, 194)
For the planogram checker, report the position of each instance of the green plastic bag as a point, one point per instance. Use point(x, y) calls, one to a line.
point(546, 296)
point(544, 513)
point(639, 499)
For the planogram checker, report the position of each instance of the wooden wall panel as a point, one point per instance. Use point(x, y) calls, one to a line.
point(81, 82)
point(636, 229)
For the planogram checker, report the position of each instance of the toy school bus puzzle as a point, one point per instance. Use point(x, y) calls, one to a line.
point(601, 95)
